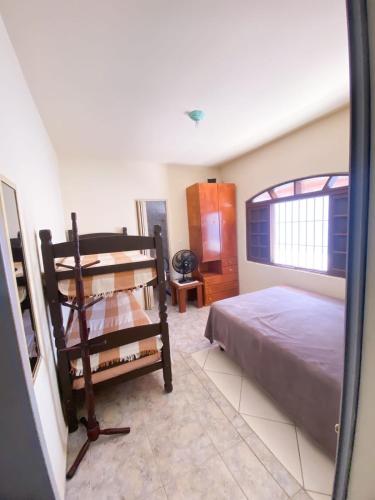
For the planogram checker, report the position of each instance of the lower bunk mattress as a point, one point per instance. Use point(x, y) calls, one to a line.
point(292, 343)
point(117, 312)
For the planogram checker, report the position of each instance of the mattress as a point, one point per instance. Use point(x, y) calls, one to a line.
point(118, 312)
point(292, 343)
point(109, 283)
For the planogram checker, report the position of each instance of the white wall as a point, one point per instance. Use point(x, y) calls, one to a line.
point(104, 194)
point(28, 160)
point(320, 147)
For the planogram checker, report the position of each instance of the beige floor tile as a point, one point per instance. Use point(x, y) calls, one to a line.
point(161, 412)
point(222, 433)
point(200, 357)
point(159, 494)
point(318, 470)
point(219, 361)
point(192, 388)
point(211, 481)
point(77, 490)
point(255, 402)
point(255, 481)
point(123, 470)
point(289, 484)
point(241, 426)
point(229, 385)
point(301, 495)
point(281, 439)
point(318, 496)
point(181, 444)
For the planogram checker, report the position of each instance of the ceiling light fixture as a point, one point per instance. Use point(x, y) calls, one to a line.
point(196, 115)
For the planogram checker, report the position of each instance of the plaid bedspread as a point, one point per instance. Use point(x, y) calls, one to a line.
point(117, 312)
point(106, 284)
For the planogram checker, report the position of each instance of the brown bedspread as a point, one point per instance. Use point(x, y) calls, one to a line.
point(292, 342)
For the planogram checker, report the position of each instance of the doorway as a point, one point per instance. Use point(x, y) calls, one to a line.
point(149, 214)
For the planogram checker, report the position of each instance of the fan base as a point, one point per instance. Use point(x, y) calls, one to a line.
point(186, 280)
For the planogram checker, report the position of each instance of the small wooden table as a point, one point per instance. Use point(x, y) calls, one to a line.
point(179, 293)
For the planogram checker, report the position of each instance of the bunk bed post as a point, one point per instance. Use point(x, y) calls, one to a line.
point(166, 353)
point(63, 365)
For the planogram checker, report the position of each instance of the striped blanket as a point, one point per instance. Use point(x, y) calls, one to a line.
point(106, 284)
point(117, 312)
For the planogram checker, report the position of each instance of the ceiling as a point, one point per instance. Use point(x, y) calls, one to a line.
point(112, 79)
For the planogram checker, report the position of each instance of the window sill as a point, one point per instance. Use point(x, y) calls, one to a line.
point(300, 269)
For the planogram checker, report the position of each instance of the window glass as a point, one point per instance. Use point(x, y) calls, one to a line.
point(338, 181)
point(300, 233)
point(284, 190)
point(262, 197)
point(311, 185)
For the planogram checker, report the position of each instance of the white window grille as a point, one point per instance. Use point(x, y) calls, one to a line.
point(299, 233)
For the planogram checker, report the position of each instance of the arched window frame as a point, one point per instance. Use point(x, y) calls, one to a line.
point(258, 221)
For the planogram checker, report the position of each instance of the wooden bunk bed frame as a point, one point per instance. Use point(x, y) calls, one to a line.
point(69, 234)
point(100, 243)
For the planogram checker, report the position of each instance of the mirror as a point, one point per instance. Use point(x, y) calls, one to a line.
point(15, 235)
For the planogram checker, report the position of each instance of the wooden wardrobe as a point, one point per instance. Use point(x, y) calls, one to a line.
point(213, 238)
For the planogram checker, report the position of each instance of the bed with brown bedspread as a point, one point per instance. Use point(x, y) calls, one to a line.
point(292, 343)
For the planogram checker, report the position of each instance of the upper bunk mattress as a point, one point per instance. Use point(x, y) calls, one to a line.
point(111, 314)
point(105, 284)
point(292, 342)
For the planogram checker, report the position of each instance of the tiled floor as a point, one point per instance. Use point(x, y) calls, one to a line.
point(191, 444)
point(302, 458)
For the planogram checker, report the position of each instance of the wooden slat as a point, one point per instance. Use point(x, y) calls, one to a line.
point(115, 268)
point(105, 244)
point(69, 233)
point(119, 338)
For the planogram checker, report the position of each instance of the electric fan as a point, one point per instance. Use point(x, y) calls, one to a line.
point(185, 262)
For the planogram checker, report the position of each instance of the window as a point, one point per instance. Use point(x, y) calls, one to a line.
point(301, 224)
point(299, 234)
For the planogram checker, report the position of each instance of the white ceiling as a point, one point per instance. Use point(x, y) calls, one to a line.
point(113, 78)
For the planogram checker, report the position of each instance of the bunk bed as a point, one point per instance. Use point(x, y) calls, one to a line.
point(124, 344)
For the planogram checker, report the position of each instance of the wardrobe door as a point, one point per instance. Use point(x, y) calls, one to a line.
point(210, 224)
point(194, 218)
point(227, 211)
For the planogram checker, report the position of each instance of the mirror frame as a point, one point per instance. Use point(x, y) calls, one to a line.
point(4, 180)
